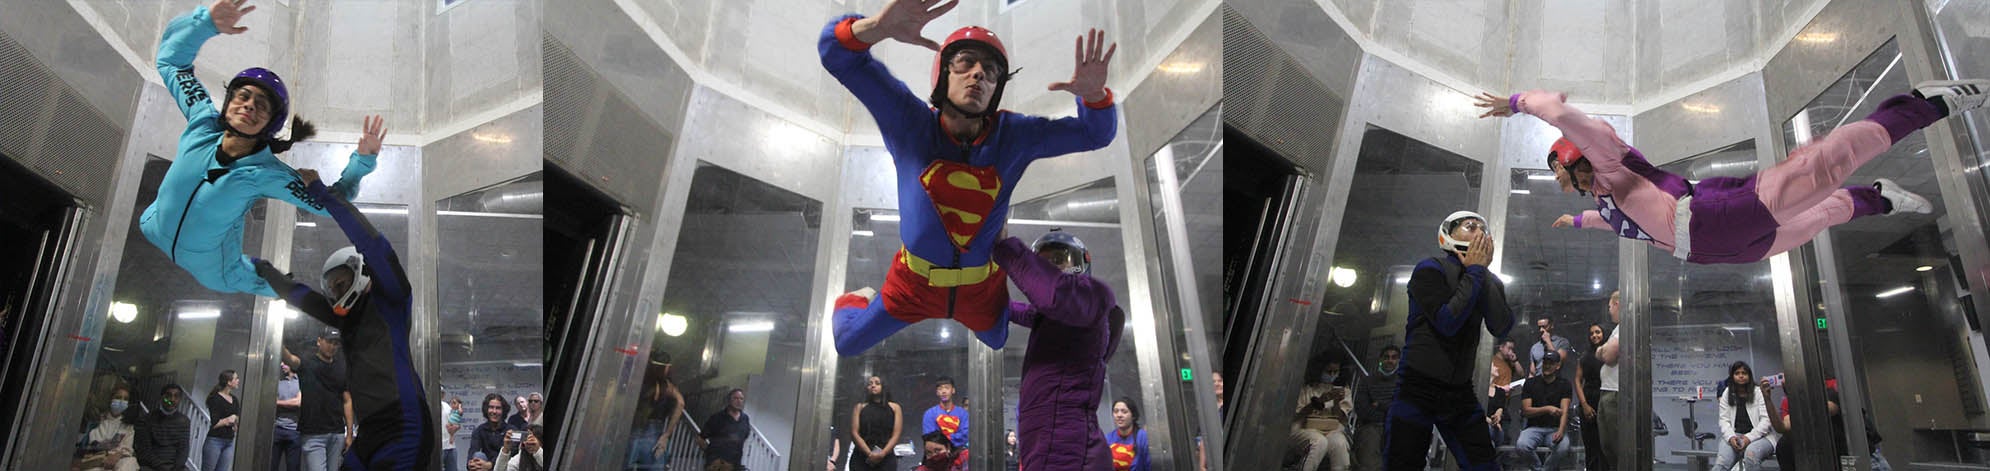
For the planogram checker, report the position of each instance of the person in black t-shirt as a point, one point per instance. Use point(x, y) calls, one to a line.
point(727, 430)
point(488, 440)
point(324, 415)
point(1545, 403)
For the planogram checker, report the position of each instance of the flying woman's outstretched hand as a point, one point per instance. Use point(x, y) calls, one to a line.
point(1498, 106)
point(227, 12)
point(1088, 79)
point(902, 20)
point(375, 128)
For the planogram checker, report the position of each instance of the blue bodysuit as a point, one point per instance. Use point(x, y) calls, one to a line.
point(197, 216)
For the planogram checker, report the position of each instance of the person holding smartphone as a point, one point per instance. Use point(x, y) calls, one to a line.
point(110, 441)
point(522, 451)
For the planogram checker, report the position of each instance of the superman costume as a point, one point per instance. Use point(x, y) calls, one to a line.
point(953, 198)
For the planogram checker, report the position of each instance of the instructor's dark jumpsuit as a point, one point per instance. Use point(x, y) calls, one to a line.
point(1434, 390)
point(396, 430)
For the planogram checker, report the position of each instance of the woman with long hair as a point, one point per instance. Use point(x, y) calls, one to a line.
point(875, 424)
point(1745, 430)
point(1589, 388)
point(226, 158)
point(648, 449)
point(219, 452)
point(1127, 440)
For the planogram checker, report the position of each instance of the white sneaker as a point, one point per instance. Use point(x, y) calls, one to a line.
point(867, 293)
point(1957, 95)
point(1902, 200)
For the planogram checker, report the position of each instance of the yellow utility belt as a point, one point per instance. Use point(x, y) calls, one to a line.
point(939, 277)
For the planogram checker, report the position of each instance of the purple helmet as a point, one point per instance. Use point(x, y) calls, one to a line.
point(274, 85)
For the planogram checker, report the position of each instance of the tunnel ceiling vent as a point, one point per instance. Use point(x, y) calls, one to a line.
point(598, 133)
point(49, 128)
point(1273, 99)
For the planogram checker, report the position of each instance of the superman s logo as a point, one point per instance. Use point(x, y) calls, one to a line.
point(948, 424)
point(1122, 456)
point(963, 195)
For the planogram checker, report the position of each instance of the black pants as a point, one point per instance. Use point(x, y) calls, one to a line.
point(1456, 415)
point(1592, 439)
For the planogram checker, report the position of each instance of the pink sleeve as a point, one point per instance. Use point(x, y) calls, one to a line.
point(1598, 141)
point(1596, 221)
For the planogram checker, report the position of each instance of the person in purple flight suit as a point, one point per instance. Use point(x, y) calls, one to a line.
point(1074, 324)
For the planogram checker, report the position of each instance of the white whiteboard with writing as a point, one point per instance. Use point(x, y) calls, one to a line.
point(1684, 360)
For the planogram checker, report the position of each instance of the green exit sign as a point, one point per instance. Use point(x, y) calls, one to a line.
point(1820, 323)
point(1187, 375)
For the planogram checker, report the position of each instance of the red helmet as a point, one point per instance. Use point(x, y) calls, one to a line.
point(964, 37)
point(1565, 152)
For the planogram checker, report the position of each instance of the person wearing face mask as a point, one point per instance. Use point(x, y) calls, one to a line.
point(109, 443)
point(226, 158)
point(1075, 324)
point(940, 454)
point(1372, 409)
point(957, 157)
point(1449, 296)
point(369, 299)
point(1318, 429)
point(162, 443)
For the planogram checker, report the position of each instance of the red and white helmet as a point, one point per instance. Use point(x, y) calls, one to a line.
point(962, 38)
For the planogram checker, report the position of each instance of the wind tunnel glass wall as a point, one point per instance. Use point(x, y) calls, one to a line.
point(910, 361)
point(734, 310)
point(1705, 317)
point(1896, 277)
point(164, 328)
point(1560, 275)
point(1961, 37)
point(1193, 160)
point(489, 296)
point(314, 241)
point(1402, 189)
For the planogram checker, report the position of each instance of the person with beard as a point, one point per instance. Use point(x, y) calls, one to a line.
point(162, 443)
point(875, 425)
point(1448, 295)
point(661, 407)
point(1372, 413)
point(371, 302)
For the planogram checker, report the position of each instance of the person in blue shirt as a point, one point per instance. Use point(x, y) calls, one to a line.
point(946, 417)
point(226, 159)
point(369, 300)
point(957, 157)
point(1128, 440)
